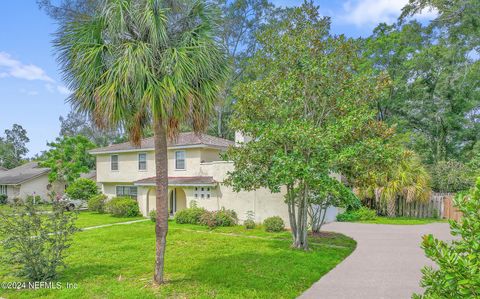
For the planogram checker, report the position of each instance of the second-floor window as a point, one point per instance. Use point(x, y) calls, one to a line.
point(114, 162)
point(142, 161)
point(180, 160)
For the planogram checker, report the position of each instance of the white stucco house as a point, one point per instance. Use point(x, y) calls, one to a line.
point(196, 173)
point(27, 179)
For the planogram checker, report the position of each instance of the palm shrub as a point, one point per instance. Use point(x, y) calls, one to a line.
point(82, 189)
point(146, 64)
point(407, 177)
point(457, 274)
point(35, 243)
point(123, 207)
point(97, 203)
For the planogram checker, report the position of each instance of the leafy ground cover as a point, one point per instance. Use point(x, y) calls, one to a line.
point(227, 262)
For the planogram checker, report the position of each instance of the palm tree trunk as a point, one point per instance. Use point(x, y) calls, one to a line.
point(161, 181)
point(392, 207)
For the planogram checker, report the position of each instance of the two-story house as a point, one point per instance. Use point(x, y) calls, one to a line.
point(196, 173)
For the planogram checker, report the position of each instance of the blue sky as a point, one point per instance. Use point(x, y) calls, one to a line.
point(31, 90)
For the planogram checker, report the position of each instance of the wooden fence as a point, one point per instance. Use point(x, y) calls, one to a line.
point(440, 205)
point(430, 209)
point(449, 211)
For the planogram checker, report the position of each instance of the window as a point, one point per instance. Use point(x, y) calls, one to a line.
point(180, 160)
point(202, 192)
point(3, 189)
point(114, 162)
point(127, 191)
point(142, 161)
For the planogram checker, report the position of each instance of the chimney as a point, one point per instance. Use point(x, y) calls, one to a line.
point(240, 138)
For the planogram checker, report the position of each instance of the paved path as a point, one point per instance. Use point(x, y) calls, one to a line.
point(385, 264)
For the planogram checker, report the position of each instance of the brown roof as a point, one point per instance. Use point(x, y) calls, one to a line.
point(183, 139)
point(22, 173)
point(180, 181)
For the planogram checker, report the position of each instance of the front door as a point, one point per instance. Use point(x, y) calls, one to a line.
point(172, 207)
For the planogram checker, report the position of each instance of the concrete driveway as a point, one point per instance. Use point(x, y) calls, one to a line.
point(385, 264)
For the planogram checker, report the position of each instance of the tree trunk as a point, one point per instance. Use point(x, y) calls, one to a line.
point(161, 182)
point(392, 207)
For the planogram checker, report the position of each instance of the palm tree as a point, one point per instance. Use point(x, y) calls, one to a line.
point(143, 64)
point(407, 178)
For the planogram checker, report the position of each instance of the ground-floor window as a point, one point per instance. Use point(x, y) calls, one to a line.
point(202, 192)
point(3, 189)
point(127, 191)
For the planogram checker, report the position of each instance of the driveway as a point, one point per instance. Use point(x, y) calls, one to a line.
point(385, 264)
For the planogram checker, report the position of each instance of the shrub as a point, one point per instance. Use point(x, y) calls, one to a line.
point(457, 273)
point(82, 189)
point(153, 215)
point(208, 219)
point(363, 213)
point(249, 224)
point(38, 258)
point(3, 199)
point(97, 203)
point(34, 199)
point(123, 207)
point(225, 217)
point(190, 215)
point(274, 224)
point(222, 217)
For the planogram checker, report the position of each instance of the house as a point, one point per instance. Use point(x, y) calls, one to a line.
point(27, 179)
point(196, 174)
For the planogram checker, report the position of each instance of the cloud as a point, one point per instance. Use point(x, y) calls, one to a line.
point(372, 12)
point(29, 92)
point(10, 67)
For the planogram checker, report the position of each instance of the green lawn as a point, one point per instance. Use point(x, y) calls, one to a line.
point(86, 219)
point(117, 262)
point(403, 220)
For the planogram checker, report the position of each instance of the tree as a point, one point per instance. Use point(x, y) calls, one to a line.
point(82, 189)
point(406, 177)
point(77, 123)
point(35, 243)
point(240, 22)
point(434, 94)
point(329, 192)
point(145, 63)
point(305, 105)
point(457, 274)
point(451, 176)
point(13, 147)
point(68, 158)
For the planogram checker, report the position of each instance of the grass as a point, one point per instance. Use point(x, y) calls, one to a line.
point(117, 262)
point(87, 218)
point(402, 220)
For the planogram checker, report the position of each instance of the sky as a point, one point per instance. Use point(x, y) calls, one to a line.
point(33, 95)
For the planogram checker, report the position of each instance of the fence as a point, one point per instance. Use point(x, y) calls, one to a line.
point(440, 205)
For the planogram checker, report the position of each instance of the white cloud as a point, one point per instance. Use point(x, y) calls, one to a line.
point(29, 92)
point(63, 90)
point(372, 12)
point(10, 67)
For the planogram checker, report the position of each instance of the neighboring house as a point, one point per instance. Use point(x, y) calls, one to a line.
point(196, 173)
point(27, 179)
